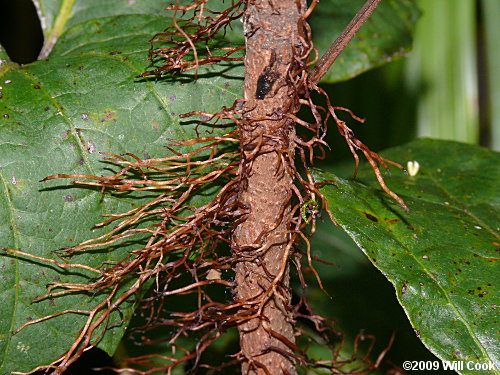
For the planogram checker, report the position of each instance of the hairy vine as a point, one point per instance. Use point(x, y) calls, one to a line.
point(265, 210)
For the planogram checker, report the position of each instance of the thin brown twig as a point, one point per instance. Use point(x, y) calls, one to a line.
point(342, 41)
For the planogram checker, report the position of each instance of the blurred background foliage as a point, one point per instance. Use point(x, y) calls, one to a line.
point(445, 88)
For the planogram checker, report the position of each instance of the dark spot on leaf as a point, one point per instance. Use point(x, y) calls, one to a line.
point(114, 53)
point(476, 255)
point(101, 120)
point(6, 116)
point(371, 217)
point(470, 291)
point(69, 198)
point(479, 288)
point(392, 221)
point(374, 260)
point(36, 87)
point(110, 114)
point(172, 98)
point(46, 109)
point(227, 84)
point(160, 107)
point(91, 147)
point(467, 262)
point(81, 67)
point(404, 288)
point(52, 302)
point(393, 254)
point(81, 161)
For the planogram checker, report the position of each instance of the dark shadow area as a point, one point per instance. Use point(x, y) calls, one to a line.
point(89, 364)
point(362, 300)
point(20, 30)
point(379, 96)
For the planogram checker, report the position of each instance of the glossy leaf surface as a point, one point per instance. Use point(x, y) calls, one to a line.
point(56, 115)
point(442, 257)
point(387, 35)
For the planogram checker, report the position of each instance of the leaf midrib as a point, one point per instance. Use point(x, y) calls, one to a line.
point(53, 35)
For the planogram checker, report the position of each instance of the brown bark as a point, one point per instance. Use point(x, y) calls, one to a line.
point(261, 242)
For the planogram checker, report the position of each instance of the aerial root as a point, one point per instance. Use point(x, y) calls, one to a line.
point(185, 239)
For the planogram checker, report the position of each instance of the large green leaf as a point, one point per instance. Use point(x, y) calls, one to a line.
point(442, 257)
point(55, 117)
point(387, 34)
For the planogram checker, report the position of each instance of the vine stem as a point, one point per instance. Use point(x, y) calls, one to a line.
point(262, 242)
point(342, 41)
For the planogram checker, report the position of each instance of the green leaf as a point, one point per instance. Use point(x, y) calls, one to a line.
point(56, 115)
point(56, 17)
point(387, 35)
point(442, 257)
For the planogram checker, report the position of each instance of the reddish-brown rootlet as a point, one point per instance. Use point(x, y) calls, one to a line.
point(254, 206)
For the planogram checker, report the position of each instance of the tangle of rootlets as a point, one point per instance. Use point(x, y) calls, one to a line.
point(186, 240)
